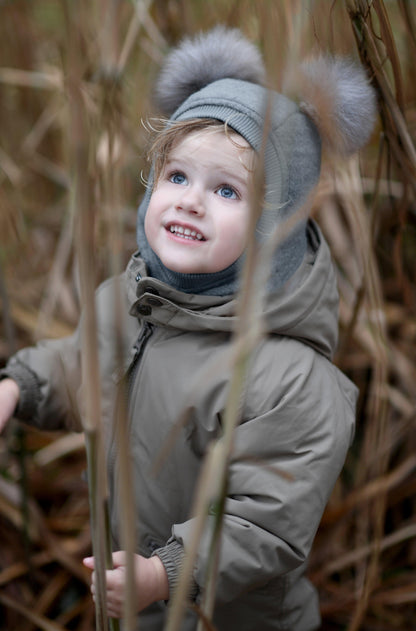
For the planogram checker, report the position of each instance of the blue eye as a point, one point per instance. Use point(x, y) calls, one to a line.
point(227, 192)
point(177, 178)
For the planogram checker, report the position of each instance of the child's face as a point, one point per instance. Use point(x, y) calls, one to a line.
point(198, 213)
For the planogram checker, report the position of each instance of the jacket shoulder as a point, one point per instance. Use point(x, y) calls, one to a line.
point(301, 389)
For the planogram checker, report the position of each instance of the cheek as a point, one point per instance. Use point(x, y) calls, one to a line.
point(239, 244)
point(159, 202)
point(234, 233)
point(150, 220)
point(147, 226)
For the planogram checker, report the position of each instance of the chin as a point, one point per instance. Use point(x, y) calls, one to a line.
point(179, 268)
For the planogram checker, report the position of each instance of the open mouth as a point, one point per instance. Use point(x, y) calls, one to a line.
point(185, 233)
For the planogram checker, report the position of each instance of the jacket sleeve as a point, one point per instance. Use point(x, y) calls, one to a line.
point(286, 460)
point(48, 376)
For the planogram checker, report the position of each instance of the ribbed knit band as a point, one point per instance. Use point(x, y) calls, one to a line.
point(29, 389)
point(292, 156)
point(223, 283)
point(172, 556)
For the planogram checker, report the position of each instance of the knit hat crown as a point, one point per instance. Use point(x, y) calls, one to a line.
point(220, 75)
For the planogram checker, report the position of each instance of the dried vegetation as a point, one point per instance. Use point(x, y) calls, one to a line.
point(75, 83)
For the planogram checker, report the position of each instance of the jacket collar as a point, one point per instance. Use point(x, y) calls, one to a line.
point(305, 308)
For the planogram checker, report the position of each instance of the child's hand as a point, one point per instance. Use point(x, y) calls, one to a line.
point(9, 397)
point(151, 582)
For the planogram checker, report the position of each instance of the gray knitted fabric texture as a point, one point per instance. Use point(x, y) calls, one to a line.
point(292, 159)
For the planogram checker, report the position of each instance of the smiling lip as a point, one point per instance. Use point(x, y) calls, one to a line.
point(189, 234)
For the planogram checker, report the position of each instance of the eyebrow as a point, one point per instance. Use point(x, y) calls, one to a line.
point(225, 172)
point(234, 176)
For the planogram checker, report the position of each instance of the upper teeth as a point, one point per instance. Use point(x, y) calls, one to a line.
point(187, 233)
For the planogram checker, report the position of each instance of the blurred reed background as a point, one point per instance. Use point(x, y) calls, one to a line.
point(75, 84)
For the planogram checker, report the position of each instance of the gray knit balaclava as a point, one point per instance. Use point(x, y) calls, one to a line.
point(220, 75)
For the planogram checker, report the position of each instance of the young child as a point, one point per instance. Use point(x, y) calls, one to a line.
point(179, 299)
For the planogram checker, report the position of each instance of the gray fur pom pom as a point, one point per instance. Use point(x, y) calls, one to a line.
point(217, 54)
point(339, 99)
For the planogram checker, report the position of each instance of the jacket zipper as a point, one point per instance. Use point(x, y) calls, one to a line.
point(139, 347)
point(129, 378)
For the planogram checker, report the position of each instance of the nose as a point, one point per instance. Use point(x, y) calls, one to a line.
point(191, 201)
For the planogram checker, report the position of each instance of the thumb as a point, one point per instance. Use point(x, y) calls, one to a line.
point(89, 562)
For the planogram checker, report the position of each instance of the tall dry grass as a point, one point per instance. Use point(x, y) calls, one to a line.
point(75, 81)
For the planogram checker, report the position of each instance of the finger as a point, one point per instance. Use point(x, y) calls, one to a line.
point(119, 558)
point(114, 607)
point(115, 580)
point(113, 613)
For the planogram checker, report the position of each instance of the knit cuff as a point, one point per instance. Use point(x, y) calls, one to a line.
point(172, 556)
point(29, 389)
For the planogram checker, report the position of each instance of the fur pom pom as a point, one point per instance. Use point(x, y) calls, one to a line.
point(338, 98)
point(218, 54)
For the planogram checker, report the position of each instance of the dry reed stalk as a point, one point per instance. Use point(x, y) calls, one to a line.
point(41, 622)
point(407, 532)
point(68, 444)
point(246, 334)
point(111, 65)
point(79, 140)
point(394, 124)
point(39, 531)
point(9, 169)
point(212, 488)
point(27, 318)
point(18, 178)
point(18, 434)
point(80, 608)
point(20, 569)
point(376, 431)
point(375, 51)
point(47, 597)
point(47, 119)
point(111, 126)
point(28, 79)
point(55, 282)
point(372, 489)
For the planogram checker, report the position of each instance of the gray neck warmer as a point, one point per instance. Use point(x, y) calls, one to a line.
point(223, 283)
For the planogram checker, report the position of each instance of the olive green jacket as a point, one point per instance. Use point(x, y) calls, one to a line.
point(297, 423)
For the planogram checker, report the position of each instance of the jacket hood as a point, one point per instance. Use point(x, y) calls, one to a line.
point(306, 308)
